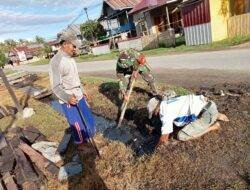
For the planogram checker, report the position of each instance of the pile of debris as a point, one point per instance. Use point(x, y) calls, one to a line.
point(24, 81)
point(6, 111)
point(27, 159)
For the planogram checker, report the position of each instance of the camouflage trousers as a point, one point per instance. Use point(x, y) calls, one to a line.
point(124, 80)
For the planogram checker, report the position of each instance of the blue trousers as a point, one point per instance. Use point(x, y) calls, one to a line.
point(81, 129)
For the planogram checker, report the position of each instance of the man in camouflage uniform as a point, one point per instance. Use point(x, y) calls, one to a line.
point(128, 65)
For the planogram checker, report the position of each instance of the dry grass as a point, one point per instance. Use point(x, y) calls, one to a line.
point(219, 160)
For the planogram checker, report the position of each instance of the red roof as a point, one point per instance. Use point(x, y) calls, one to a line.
point(145, 4)
point(20, 48)
point(121, 4)
point(26, 49)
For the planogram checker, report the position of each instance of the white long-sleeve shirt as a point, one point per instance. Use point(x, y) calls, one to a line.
point(64, 78)
point(180, 111)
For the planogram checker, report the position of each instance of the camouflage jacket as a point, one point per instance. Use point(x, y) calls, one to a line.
point(130, 61)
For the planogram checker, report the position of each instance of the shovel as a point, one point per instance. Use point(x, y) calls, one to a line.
point(91, 139)
point(125, 102)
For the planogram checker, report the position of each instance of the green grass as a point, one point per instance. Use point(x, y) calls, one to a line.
point(41, 62)
point(8, 71)
point(91, 57)
point(180, 48)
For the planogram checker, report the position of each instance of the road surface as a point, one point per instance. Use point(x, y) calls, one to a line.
point(182, 69)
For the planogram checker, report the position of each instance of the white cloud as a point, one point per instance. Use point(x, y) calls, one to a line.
point(27, 19)
point(9, 30)
point(48, 3)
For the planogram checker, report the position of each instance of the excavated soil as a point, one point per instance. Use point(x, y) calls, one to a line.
point(218, 160)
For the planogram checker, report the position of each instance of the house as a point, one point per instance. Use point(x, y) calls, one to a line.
point(23, 53)
point(156, 16)
point(207, 21)
point(55, 46)
point(116, 20)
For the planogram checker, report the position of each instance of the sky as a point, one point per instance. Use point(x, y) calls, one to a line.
point(24, 19)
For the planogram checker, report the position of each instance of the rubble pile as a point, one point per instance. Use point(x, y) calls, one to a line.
point(27, 159)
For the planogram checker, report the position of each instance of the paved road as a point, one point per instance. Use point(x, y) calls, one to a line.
point(226, 60)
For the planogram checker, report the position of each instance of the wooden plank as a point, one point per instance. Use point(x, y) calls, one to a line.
point(239, 25)
point(1, 185)
point(25, 166)
point(30, 186)
point(62, 148)
point(3, 142)
point(6, 160)
point(248, 23)
point(19, 178)
point(42, 163)
point(9, 182)
point(32, 134)
point(43, 95)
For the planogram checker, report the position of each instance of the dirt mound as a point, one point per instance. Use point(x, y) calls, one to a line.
point(218, 160)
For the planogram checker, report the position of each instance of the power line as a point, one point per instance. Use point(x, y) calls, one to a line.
point(77, 17)
point(81, 12)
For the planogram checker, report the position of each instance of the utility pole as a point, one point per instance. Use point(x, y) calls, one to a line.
point(86, 11)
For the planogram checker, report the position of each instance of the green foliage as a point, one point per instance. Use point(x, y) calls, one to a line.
point(224, 9)
point(162, 45)
point(47, 48)
point(10, 42)
point(41, 62)
point(3, 59)
point(92, 28)
point(39, 40)
point(7, 45)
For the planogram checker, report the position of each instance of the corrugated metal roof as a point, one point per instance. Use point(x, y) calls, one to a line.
point(146, 4)
point(121, 4)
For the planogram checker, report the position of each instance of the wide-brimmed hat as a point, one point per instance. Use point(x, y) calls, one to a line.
point(152, 104)
point(70, 37)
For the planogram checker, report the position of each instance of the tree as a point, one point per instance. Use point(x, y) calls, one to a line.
point(9, 44)
point(39, 40)
point(47, 48)
point(3, 60)
point(23, 42)
point(94, 28)
point(224, 9)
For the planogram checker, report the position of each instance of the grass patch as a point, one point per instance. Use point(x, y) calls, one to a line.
point(41, 62)
point(198, 164)
point(91, 57)
point(180, 48)
point(8, 71)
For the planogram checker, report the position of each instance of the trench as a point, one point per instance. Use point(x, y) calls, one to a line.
point(140, 143)
point(128, 135)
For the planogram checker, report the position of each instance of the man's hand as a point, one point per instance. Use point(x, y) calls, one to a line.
point(85, 95)
point(125, 97)
point(135, 74)
point(73, 100)
point(163, 139)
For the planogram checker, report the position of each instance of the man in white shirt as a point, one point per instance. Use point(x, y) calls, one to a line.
point(66, 85)
point(194, 113)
